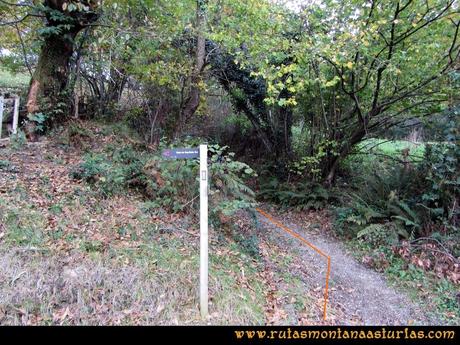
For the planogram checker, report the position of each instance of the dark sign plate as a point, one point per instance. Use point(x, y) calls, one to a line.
point(181, 153)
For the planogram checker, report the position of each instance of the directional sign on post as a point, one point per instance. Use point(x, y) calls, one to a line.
point(204, 231)
point(181, 153)
point(189, 153)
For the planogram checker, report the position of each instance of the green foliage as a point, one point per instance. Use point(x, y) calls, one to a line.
point(39, 119)
point(228, 178)
point(18, 140)
point(386, 198)
point(441, 166)
point(301, 195)
point(89, 169)
point(170, 184)
point(16, 80)
point(381, 234)
point(416, 198)
point(241, 122)
point(63, 15)
point(312, 166)
point(340, 80)
point(112, 172)
point(177, 187)
point(248, 244)
point(52, 113)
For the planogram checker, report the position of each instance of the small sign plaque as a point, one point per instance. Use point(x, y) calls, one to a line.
point(186, 153)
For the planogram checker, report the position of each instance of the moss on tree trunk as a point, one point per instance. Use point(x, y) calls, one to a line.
point(51, 75)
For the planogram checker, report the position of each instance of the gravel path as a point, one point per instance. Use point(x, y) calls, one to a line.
point(361, 295)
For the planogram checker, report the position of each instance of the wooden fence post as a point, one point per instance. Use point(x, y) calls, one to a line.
point(16, 115)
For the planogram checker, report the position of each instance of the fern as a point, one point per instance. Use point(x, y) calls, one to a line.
point(378, 234)
point(299, 195)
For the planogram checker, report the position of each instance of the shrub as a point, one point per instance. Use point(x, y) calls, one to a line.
point(382, 234)
point(39, 120)
point(18, 140)
point(417, 200)
point(113, 172)
point(169, 184)
point(313, 166)
point(388, 198)
point(306, 195)
point(440, 200)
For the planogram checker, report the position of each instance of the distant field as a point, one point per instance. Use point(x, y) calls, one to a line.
point(392, 148)
point(18, 80)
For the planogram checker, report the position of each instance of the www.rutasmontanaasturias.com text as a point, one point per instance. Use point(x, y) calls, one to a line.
point(339, 333)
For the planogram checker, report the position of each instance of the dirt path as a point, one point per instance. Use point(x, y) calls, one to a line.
point(357, 294)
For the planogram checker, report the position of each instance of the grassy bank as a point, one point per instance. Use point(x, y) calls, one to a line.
point(13, 80)
point(102, 253)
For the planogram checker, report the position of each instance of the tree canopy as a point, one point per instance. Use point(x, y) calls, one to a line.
point(342, 70)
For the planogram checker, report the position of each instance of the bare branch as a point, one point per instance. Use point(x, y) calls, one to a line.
point(15, 22)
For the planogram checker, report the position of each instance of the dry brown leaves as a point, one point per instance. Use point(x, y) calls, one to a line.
point(41, 174)
point(275, 314)
point(430, 256)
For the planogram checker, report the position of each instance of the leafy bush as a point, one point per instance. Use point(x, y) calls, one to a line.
point(39, 120)
point(312, 166)
point(385, 197)
point(417, 200)
point(178, 181)
point(170, 184)
point(382, 234)
point(110, 176)
point(248, 244)
point(300, 195)
point(228, 188)
point(18, 140)
point(440, 200)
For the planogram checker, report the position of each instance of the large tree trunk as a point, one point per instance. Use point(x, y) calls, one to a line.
point(52, 72)
point(193, 101)
point(51, 75)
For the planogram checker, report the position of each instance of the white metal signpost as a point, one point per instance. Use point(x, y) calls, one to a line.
point(188, 153)
point(1, 114)
point(15, 113)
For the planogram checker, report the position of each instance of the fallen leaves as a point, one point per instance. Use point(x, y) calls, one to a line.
point(430, 256)
point(275, 314)
point(376, 261)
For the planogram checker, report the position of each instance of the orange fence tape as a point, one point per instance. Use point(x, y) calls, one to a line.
point(316, 249)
